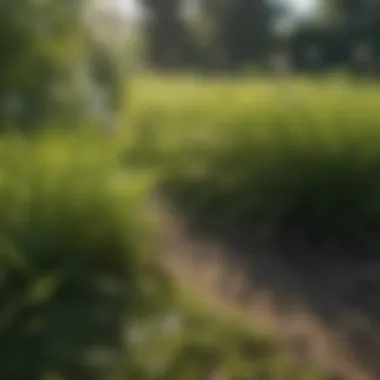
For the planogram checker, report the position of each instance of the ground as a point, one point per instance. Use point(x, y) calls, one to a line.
point(323, 316)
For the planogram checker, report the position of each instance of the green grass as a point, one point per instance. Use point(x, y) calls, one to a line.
point(199, 336)
point(79, 268)
point(298, 156)
point(291, 157)
point(74, 262)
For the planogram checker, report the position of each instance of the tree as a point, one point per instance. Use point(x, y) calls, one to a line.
point(359, 22)
point(46, 52)
point(169, 43)
point(242, 30)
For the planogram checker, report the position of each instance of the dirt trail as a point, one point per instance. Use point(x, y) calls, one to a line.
point(323, 314)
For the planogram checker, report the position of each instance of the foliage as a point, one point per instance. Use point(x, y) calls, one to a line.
point(168, 42)
point(199, 339)
point(47, 52)
point(243, 29)
point(74, 264)
point(224, 33)
point(288, 159)
point(344, 36)
point(83, 296)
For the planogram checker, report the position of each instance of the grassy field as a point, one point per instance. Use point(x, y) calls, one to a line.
point(292, 157)
point(80, 272)
point(289, 157)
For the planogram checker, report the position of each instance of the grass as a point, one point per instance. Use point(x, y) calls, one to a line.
point(199, 338)
point(78, 270)
point(73, 258)
point(294, 157)
point(288, 158)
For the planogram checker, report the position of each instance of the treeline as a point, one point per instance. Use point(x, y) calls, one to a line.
point(226, 34)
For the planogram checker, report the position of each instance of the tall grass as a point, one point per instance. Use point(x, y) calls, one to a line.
point(72, 257)
point(82, 293)
point(294, 158)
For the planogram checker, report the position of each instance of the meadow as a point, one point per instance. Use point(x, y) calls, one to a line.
point(288, 157)
point(83, 292)
point(80, 267)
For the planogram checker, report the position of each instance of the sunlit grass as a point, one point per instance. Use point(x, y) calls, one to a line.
point(300, 155)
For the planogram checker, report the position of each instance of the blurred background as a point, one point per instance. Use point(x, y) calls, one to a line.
point(289, 35)
point(189, 189)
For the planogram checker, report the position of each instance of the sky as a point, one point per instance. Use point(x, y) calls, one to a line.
point(303, 5)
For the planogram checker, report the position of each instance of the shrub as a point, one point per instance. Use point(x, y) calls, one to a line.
point(54, 69)
point(74, 262)
point(298, 159)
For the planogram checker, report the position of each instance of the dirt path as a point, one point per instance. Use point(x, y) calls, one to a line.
point(323, 313)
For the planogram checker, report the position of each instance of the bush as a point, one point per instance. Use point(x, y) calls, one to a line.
point(297, 159)
point(74, 262)
point(54, 69)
